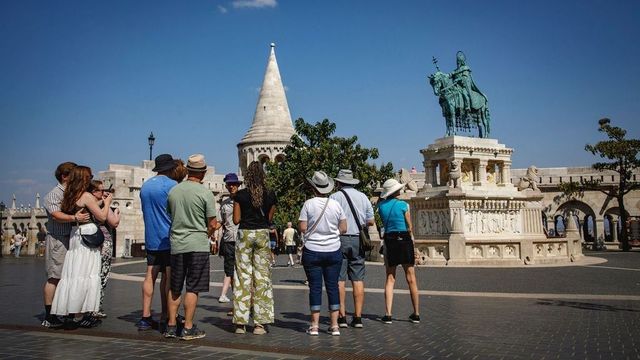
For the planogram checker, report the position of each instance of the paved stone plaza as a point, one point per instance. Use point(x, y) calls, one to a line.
point(587, 311)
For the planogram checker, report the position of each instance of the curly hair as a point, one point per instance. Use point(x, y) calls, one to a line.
point(179, 172)
point(78, 183)
point(254, 182)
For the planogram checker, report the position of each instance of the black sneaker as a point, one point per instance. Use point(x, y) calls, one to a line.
point(89, 322)
point(342, 321)
point(192, 334)
point(414, 318)
point(357, 322)
point(386, 319)
point(52, 322)
point(146, 324)
point(171, 332)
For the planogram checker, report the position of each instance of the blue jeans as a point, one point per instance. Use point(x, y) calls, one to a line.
point(319, 265)
point(17, 250)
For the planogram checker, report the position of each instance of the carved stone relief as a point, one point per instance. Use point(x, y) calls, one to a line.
point(492, 222)
point(433, 222)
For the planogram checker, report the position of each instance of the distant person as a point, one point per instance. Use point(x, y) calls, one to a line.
point(192, 209)
point(42, 237)
point(106, 251)
point(78, 292)
point(289, 235)
point(353, 257)
point(322, 220)
point(274, 241)
point(229, 233)
point(57, 239)
point(153, 197)
point(253, 211)
point(398, 247)
point(18, 240)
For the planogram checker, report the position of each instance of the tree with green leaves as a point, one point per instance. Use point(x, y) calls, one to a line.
point(315, 147)
point(620, 155)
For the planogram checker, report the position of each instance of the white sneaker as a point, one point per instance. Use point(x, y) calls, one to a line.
point(223, 299)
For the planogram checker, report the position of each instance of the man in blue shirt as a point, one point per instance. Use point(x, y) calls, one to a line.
point(157, 223)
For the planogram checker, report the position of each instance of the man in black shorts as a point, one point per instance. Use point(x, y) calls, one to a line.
point(153, 197)
point(193, 220)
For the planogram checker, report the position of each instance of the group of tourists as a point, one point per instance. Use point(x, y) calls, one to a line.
point(78, 208)
point(331, 225)
point(180, 218)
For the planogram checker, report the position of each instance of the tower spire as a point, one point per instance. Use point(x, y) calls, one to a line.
point(271, 129)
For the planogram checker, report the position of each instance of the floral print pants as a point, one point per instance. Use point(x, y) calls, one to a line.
point(107, 248)
point(252, 278)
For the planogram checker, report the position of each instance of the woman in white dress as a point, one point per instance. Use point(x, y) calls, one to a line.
point(78, 291)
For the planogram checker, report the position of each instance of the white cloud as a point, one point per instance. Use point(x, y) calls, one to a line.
point(256, 4)
point(222, 9)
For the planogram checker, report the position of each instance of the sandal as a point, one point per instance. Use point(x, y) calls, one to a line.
point(334, 330)
point(313, 330)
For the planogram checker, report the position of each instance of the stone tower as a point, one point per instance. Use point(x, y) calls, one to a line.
point(271, 129)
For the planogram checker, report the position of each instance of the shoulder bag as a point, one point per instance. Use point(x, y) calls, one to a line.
point(363, 233)
point(92, 239)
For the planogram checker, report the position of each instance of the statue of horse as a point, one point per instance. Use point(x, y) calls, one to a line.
point(454, 110)
point(463, 104)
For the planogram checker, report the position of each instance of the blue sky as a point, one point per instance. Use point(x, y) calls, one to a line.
point(88, 81)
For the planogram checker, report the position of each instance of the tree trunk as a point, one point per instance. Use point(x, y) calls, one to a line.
point(624, 239)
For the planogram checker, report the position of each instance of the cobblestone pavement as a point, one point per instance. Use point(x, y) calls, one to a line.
point(590, 311)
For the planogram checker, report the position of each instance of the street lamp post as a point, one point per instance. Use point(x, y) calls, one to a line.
point(151, 139)
point(2, 208)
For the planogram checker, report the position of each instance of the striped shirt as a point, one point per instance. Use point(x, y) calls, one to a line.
point(52, 203)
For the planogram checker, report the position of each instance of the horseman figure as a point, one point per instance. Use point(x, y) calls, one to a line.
point(463, 104)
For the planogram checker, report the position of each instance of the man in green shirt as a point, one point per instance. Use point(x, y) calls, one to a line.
point(193, 219)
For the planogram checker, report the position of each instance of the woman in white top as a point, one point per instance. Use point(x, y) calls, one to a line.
point(322, 220)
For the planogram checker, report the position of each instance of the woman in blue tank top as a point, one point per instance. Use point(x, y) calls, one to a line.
point(398, 247)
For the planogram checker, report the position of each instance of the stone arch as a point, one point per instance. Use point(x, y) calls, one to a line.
point(279, 158)
point(582, 211)
point(613, 227)
point(545, 225)
point(263, 158)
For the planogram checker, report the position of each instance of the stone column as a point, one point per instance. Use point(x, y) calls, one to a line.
point(482, 172)
point(428, 173)
point(505, 172)
point(614, 230)
point(599, 224)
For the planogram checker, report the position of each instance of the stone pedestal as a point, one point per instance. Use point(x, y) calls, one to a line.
point(468, 212)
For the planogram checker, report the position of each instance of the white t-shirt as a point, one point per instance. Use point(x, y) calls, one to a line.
point(325, 237)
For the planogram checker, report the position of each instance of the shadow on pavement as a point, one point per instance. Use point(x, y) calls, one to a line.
point(584, 306)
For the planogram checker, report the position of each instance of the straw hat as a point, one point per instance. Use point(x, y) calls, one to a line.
point(346, 177)
point(321, 182)
point(196, 163)
point(389, 187)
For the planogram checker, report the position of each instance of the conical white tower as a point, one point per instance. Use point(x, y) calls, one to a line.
point(271, 129)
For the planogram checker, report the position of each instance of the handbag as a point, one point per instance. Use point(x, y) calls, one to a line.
point(363, 233)
point(91, 239)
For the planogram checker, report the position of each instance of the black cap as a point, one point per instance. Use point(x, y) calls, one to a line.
point(164, 162)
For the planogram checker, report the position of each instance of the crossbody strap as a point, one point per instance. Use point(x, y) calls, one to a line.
point(353, 210)
point(389, 214)
point(315, 224)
